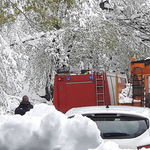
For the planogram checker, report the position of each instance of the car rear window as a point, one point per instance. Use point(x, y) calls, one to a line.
point(117, 127)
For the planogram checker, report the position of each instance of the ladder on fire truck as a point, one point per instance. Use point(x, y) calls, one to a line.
point(100, 95)
point(138, 85)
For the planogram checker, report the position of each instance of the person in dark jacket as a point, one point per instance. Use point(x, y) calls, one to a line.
point(24, 106)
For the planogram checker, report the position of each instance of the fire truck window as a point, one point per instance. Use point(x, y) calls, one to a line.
point(119, 80)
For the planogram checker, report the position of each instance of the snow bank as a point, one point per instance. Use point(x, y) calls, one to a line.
point(46, 128)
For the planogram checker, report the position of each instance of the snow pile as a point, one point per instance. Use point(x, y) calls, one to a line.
point(109, 146)
point(45, 128)
point(126, 95)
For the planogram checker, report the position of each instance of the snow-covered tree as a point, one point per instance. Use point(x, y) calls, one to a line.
point(39, 37)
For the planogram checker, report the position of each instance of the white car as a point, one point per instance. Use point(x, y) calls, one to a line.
point(128, 126)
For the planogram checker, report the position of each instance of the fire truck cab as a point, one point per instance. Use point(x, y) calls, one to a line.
point(87, 88)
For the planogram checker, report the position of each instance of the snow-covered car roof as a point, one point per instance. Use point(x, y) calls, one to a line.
point(128, 110)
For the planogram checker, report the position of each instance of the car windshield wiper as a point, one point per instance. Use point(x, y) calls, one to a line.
point(114, 134)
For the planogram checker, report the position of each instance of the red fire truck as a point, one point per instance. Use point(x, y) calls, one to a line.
point(88, 88)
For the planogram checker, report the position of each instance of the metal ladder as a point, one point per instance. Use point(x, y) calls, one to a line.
point(138, 85)
point(100, 95)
